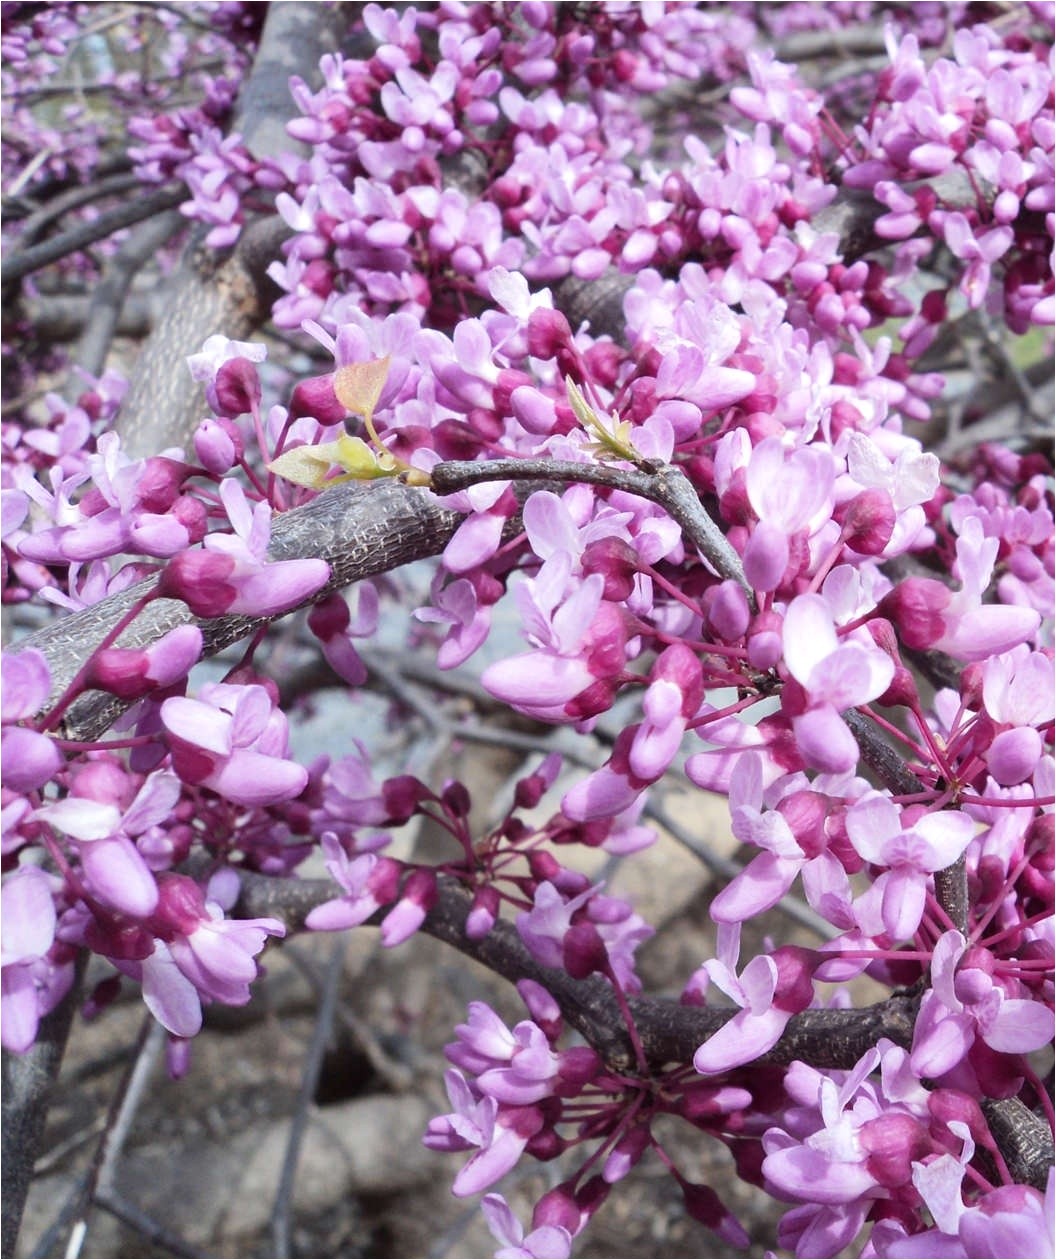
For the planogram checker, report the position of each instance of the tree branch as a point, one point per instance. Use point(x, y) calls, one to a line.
point(80, 237)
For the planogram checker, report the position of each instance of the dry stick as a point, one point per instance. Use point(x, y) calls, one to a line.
point(72, 199)
point(313, 1063)
point(123, 1107)
point(84, 234)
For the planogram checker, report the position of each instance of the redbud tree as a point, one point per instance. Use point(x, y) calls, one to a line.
point(705, 346)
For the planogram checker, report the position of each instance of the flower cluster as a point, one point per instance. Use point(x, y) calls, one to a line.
point(746, 566)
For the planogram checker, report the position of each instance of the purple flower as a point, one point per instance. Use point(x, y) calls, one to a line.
point(968, 1000)
point(769, 991)
point(231, 574)
point(498, 1134)
point(198, 956)
point(909, 852)
point(512, 1067)
point(32, 984)
point(836, 674)
point(30, 758)
point(368, 882)
point(550, 1241)
point(232, 739)
point(105, 839)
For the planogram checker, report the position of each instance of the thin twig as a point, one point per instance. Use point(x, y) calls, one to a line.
point(313, 1062)
point(135, 210)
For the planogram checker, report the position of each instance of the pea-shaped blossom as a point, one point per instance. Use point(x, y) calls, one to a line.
point(911, 851)
point(580, 640)
point(836, 673)
point(769, 991)
point(552, 1241)
point(789, 494)
point(1017, 694)
point(198, 956)
point(30, 758)
point(968, 1000)
point(105, 840)
point(231, 572)
point(497, 1134)
point(32, 984)
point(233, 740)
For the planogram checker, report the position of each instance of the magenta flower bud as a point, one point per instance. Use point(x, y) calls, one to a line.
point(30, 758)
point(583, 951)
point(548, 333)
point(315, 397)
point(159, 483)
point(131, 672)
point(577, 1067)
point(592, 700)
point(806, 814)
point(794, 990)
point(483, 913)
point(219, 445)
point(726, 609)
point(542, 1007)
point(893, 1142)
point(237, 387)
point(402, 796)
point(181, 905)
point(408, 914)
point(765, 646)
point(558, 1206)
point(456, 799)
point(329, 617)
point(545, 868)
point(626, 1153)
point(704, 1205)
point(383, 883)
point(104, 781)
point(947, 1105)
point(916, 606)
point(201, 580)
point(867, 521)
point(616, 561)
point(529, 790)
point(1014, 755)
point(192, 515)
point(702, 1102)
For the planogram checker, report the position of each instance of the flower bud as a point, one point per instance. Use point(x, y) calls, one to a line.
point(237, 387)
point(219, 445)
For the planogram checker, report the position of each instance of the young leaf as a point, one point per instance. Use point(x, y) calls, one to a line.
point(358, 386)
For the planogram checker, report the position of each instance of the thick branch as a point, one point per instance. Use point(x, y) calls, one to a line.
point(360, 531)
point(670, 1033)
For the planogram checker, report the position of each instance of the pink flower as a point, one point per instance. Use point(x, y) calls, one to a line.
point(231, 573)
point(198, 956)
point(499, 1134)
point(929, 843)
point(104, 837)
point(968, 1000)
point(547, 1241)
point(32, 983)
point(836, 674)
point(769, 991)
point(233, 740)
point(30, 758)
point(367, 882)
